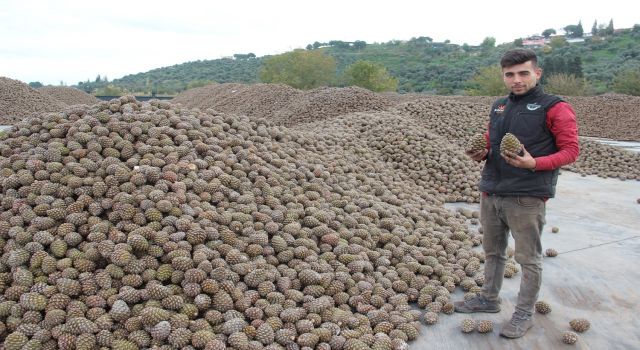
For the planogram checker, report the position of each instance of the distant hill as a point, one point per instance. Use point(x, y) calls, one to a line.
point(420, 64)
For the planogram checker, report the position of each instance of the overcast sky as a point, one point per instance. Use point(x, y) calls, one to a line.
point(71, 41)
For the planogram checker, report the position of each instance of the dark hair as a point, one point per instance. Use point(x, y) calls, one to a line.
point(518, 56)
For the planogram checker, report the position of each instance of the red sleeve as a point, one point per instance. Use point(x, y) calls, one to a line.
point(561, 120)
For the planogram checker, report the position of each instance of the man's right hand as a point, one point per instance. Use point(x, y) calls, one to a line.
point(478, 156)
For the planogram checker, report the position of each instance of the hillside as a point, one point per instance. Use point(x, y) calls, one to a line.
point(419, 64)
point(178, 77)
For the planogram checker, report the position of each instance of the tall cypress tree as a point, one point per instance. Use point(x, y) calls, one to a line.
point(579, 30)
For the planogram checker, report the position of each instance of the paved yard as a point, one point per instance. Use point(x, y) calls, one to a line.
point(595, 276)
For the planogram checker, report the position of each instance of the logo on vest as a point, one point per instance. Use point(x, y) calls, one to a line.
point(533, 106)
point(500, 109)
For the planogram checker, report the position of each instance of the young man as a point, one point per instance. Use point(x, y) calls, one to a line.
point(516, 186)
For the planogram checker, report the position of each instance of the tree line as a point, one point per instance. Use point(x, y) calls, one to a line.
point(606, 62)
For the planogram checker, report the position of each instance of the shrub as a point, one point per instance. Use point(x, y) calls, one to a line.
point(567, 85)
point(370, 75)
point(300, 69)
point(627, 82)
point(488, 82)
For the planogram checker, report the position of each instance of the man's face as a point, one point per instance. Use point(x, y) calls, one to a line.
point(521, 78)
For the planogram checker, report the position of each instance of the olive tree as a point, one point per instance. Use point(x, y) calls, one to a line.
point(370, 75)
point(300, 69)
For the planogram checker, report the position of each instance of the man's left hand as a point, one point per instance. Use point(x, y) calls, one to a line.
point(525, 161)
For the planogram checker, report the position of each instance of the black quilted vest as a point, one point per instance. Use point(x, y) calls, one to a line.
point(525, 117)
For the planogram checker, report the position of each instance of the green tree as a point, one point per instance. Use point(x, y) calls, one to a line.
point(309, 47)
point(244, 56)
point(574, 66)
point(359, 44)
point(558, 42)
point(570, 30)
point(548, 32)
point(370, 75)
point(567, 85)
point(566, 64)
point(574, 31)
point(85, 86)
point(36, 84)
point(609, 30)
point(517, 42)
point(488, 82)
point(594, 28)
point(339, 44)
point(627, 82)
point(300, 69)
point(580, 30)
point(420, 41)
point(551, 65)
point(488, 43)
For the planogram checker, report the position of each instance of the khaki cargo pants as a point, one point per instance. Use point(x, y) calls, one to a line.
point(524, 216)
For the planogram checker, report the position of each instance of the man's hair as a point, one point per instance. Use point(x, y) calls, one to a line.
point(518, 56)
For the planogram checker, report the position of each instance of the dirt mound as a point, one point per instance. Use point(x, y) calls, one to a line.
point(69, 96)
point(18, 100)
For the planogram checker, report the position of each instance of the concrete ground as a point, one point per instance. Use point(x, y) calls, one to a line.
point(595, 276)
point(632, 146)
